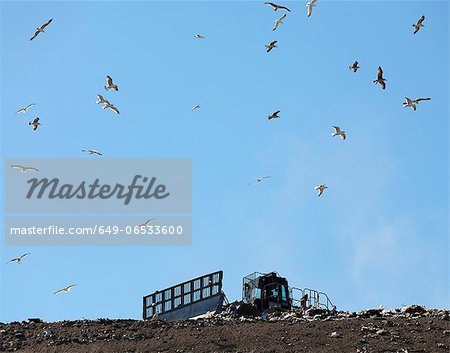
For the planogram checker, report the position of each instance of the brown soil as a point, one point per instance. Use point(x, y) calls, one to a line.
point(345, 332)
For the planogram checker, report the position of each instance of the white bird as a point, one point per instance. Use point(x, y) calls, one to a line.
point(199, 36)
point(412, 103)
point(276, 7)
point(24, 110)
point(274, 115)
point(418, 24)
point(101, 100)
point(40, 29)
point(321, 188)
point(92, 152)
point(146, 223)
point(110, 84)
point(354, 67)
point(18, 260)
point(271, 45)
point(65, 289)
point(380, 79)
point(258, 180)
point(24, 169)
point(310, 6)
point(197, 106)
point(111, 106)
point(338, 132)
point(279, 21)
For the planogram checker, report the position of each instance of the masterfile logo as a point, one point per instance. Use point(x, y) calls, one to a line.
point(99, 186)
point(51, 189)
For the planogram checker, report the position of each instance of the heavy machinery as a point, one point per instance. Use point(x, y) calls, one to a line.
point(261, 294)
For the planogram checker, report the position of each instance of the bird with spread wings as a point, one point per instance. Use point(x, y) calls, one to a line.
point(40, 29)
point(24, 169)
point(65, 289)
point(18, 260)
point(276, 7)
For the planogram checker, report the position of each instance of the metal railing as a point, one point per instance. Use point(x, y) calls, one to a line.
point(317, 299)
point(182, 294)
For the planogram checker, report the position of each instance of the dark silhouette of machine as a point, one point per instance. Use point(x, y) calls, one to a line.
point(261, 294)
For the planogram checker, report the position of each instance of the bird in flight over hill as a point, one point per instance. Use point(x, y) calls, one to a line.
point(412, 103)
point(418, 24)
point(321, 188)
point(101, 100)
point(18, 260)
point(310, 6)
point(271, 45)
point(276, 7)
point(274, 115)
point(338, 132)
point(65, 289)
point(110, 84)
point(279, 21)
point(380, 79)
point(258, 180)
point(199, 36)
point(197, 106)
point(354, 67)
point(112, 107)
point(92, 152)
point(24, 169)
point(35, 123)
point(40, 29)
point(24, 110)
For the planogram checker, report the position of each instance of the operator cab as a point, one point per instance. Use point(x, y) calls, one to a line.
point(266, 291)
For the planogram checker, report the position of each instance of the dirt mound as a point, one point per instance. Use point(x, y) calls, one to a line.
point(412, 329)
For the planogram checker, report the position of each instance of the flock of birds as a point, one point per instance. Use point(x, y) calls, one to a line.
point(380, 80)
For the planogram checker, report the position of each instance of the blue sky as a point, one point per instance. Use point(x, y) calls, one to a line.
point(379, 235)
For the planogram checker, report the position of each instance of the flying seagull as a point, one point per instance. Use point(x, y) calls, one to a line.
point(199, 36)
point(321, 188)
point(258, 180)
point(418, 24)
point(65, 289)
point(274, 115)
point(111, 106)
point(146, 223)
point(110, 84)
point(101, 100)
point(338, 132)
point(279, 21)
point(412, 103)
point(197, 106)
point(380, 80)
point(310, 6)
point(41, 29)
point(92, 152)
point(276, 7)
point(24, 110)
point(18, 260)
point(24, 169)
point(354, 67)
point(35, 123)
point(272, 45)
